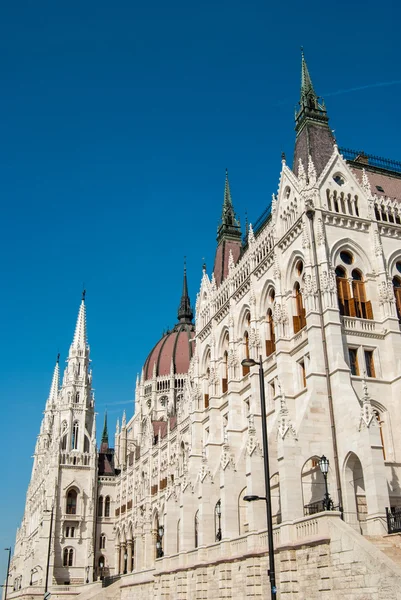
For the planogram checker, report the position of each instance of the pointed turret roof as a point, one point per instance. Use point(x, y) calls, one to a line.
point(185, 314)
point(55, 385)
point(314, 136)
point(228, 237)
point(80, 336)
point(105, 435)
point(229, 226)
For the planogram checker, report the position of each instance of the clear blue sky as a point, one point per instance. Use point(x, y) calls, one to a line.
point(117, 123)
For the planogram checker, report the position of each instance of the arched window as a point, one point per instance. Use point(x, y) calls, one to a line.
point(270, 338)
point(224, 381)
point(100, 507)
point(86, 444)
point(196, 528)
point(74, 439)
point(397, 294)
point(343, 293)
point(102, 542)
point(77, 398)
point(299, 319)
point(72, 502)
point(217, 521)
point(68, 557)
point(363, 308)
point(107, 506)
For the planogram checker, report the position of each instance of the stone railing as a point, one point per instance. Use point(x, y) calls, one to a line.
point(359, 325)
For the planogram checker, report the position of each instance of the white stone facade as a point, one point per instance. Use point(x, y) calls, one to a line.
point(314, 296)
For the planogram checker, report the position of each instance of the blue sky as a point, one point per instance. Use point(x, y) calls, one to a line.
point(117, 123)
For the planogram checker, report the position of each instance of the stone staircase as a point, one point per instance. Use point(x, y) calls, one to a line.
point(390, 544)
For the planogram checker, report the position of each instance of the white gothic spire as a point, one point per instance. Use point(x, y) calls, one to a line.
point(80, 336)
point(55, 385)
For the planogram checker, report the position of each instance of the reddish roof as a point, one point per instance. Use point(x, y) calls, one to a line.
point(391, 184)
point(174, 346)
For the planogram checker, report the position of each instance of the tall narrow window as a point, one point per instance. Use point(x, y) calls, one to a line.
point(343, 293)
point(363, 308)
point(102, 542)
point(299, 319)
point(271, 338)
point(245, 370)
point(107, 506)
point(369, 363)
point(74, 439)
point(72, 502)
point(196, 525)
point(353, 361)
point(100, 507)
point(68, 557)
point(77, 398)
point(178, 535)
point(224, 381)
point(397, 294)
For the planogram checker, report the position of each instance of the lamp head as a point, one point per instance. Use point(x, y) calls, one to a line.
point(218, 508)
point(101, 564)
point(252, 498)
point(324, 464)
point(161, 531)
point(249, 362)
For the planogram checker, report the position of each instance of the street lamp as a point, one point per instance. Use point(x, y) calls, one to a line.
point(87, 574)
point(159, 547)
point(125, 562)
point(218, 514)
point(49, 548)
point(324, 467)
point(8, 571)
point(249, 362)
point(101, 565)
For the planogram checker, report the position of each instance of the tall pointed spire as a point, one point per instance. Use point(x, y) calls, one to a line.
point(229, 224)
point(185, 314)
point(105, 435)
point(228, 236)
point(314, 137)
point(55, 385)
point(80, 336)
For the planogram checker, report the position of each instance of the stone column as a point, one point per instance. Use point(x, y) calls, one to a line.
point(117, 560)
point(129, 556)
point(123, 548)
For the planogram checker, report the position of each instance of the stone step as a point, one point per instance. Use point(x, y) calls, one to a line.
point(388, 545)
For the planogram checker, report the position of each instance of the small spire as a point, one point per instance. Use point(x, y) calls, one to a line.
point(307, 90)
point(185, 314)
point(80, 337)
point(105, 435)
point(55, 385)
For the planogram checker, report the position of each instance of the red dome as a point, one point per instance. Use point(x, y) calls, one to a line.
point(174, 346)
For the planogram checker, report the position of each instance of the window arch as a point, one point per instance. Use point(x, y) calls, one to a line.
point(71, 507)
point(100, 507)
point(107, 506)
point(299, 318)
point(68, 557)
point(343, 291)
point(74, 438)
point(270, 337)
point(224, 379)
point(397, 294)
point(102, 542)
point(363, 308)
point(86, 444)
point(196, 528)
point(77, 397)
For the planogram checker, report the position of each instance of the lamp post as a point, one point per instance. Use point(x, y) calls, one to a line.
point(159, 546)
point(249, 362)
point(101, 565)
point(49, 548)
point(218, 513)
point(8, 571)
point(125, 562)
point(87, 574)
point(324, 467)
